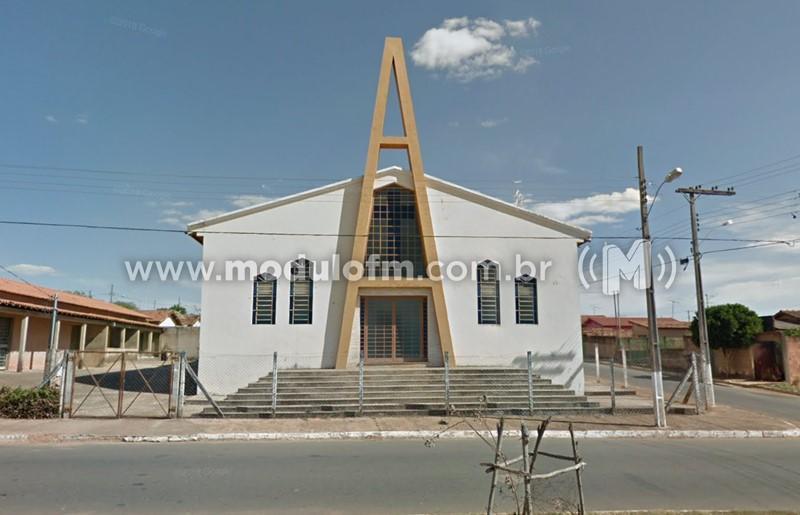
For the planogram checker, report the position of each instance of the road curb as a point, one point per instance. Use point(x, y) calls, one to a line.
point(754, 387)
point(591, 434)
point(458, 435)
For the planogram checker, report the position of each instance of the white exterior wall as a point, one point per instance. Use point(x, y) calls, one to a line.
point(234, 352)
point(556, 340)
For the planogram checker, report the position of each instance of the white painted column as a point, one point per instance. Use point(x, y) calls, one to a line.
point(82, 339)
point(150, 341)
point(597, 362)
point(23, 341)
point(137, 338)
point(57, 343)
point(123, 338)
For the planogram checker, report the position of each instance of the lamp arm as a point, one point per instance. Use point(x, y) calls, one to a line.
point(653, 203)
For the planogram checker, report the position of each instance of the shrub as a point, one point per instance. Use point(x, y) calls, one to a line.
point(730, 326)
point(29, 402)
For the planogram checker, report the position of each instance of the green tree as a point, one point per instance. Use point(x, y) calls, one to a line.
point(730, 326)
point(178, 309)
point(126, 304)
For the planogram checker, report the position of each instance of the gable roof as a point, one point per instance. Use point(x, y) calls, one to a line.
point(788, 315)
point(627, 322)
point(38, 298)
point(195, 229)
point(158, 316)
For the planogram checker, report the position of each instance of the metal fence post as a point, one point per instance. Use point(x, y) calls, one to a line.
point(447, 383)
point(597, 362)
point(530, 383)
point(361, 384)
point(274, 383)
point(181, 395)
point(613, 388)
point(67, 384)
point(121, 384)
point(699, 402)
point(624, 366)
point(174, 386)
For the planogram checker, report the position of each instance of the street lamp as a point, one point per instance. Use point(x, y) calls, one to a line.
point(671, 176)
point(650, 295)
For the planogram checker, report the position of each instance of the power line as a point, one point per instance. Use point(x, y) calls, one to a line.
point(329, 235)
point(768, 165)
point(17, 276)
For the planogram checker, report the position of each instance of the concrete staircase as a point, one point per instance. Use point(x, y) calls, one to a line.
point(400, 390)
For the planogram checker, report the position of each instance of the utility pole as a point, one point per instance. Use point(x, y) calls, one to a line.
point(652, 334)
point(692, 194)
point(673, 307)
point(111, 295)
point(50, 357)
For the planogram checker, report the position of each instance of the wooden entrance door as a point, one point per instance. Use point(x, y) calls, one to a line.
point(394, 329)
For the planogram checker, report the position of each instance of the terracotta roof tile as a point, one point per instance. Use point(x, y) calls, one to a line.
point(15, 292)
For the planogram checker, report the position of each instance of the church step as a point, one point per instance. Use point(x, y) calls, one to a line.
point(436, 401)
point(399, 391)
point(401, 412)
point(373, 407)
point(400, 370)
point(401, 380)
point(314, 392)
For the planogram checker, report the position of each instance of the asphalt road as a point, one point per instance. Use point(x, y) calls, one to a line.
point(382, 476)
point(778, 405)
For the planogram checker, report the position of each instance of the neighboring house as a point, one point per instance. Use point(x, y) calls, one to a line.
point(180, 332)
point(83, 324)
point(675, 338)
point(774, 357)
point(172, 318)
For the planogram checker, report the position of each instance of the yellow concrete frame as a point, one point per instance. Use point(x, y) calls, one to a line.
point(394, 60)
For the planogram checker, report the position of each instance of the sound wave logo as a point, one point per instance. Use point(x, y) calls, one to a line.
point(630, 266)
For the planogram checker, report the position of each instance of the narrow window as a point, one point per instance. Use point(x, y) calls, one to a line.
point(301, 295)
point(395, 242)
point(264, 299)
point(526, 300)
point(488, 293)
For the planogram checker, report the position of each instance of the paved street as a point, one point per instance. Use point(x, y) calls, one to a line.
point(778, 405)
point(381, 476)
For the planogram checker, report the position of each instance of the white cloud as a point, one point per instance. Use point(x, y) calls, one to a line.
point(242, 201)
point(181, 219)
point(491, 124)
point(175, 214)
point(467, 49)
point(33, 270)
point(51, 119)
point(521, 28)
point(594, 209)
point(82, 119)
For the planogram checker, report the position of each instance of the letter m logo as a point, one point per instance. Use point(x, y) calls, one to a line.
point(618, 265)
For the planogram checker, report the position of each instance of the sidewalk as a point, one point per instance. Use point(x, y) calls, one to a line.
point(722, 422)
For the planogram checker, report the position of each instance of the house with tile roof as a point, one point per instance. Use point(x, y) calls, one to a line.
point(83, 323)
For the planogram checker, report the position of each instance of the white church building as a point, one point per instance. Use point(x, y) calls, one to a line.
point(395, 266)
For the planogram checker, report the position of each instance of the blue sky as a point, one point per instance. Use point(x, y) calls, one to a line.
point(266, 99)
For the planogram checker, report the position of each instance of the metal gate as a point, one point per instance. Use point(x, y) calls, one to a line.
point(119, 384)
